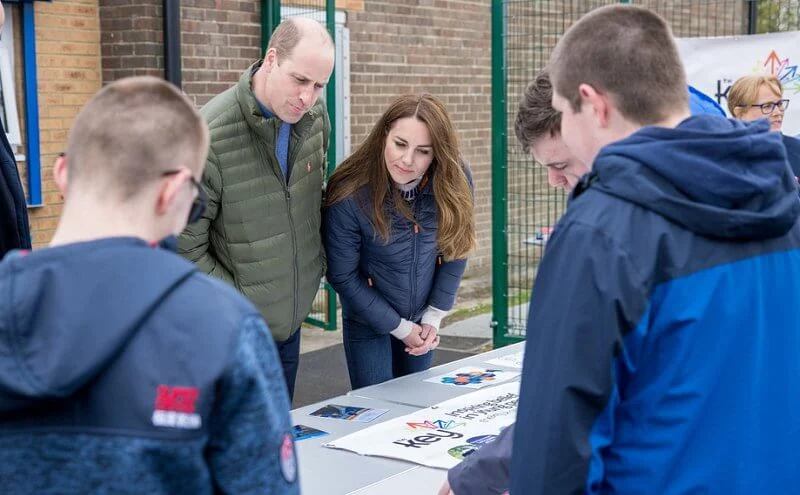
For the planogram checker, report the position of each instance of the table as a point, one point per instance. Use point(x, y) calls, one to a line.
point(412, 390)
point(420, 480)
point(333, 471)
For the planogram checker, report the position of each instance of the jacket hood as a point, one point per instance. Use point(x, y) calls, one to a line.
point(700, 103)
point(67, 312)
point(716, 177)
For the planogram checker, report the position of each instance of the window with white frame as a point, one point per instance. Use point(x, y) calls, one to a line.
point(8, 95)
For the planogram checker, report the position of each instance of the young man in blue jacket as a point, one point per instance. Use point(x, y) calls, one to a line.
point(538, 130)
point(662, 339)
point(124, 369)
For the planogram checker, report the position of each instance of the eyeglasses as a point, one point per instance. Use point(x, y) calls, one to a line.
point(770, 106)
point(199, 203)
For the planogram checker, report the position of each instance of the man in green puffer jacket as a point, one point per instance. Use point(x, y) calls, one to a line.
point(264, 177)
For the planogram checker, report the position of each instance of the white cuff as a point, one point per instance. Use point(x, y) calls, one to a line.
point(403, 329)
point(433, 317)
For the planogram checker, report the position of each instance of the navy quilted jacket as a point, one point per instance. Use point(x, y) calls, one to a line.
point(379, 282)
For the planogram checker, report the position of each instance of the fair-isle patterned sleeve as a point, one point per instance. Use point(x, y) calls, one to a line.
point(251, 449)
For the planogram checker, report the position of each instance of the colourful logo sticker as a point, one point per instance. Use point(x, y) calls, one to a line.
point(471, 378)
point(481, 440)
point(462, 451)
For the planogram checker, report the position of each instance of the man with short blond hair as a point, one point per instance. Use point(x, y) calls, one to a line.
point(126, 370)
point(264, 177)
point(661, 352)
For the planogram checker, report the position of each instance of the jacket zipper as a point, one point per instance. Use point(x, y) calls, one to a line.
point(289, 166)
point(413, 271)
point(288, 197)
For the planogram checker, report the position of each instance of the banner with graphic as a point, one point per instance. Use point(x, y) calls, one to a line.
point(442, 435)
point(713, 64)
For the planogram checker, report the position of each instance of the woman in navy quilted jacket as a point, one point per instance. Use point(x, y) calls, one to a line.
point(398, 226)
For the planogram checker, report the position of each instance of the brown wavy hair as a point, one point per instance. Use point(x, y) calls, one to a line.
point(447, 173)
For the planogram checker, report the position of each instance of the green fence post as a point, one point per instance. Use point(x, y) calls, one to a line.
point(330, 91)
point(499, 179)
point(752, 17)
point(330, 21)
point(270, 18)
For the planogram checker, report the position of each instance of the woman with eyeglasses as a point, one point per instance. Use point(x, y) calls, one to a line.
point(757, 97)
point(761, 97)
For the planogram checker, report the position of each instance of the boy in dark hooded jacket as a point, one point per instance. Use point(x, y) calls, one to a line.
point(122, 368)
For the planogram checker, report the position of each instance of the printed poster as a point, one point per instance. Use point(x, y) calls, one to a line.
point(473, 377)
point(303, 432)
point(440, 436)
point(348, 413)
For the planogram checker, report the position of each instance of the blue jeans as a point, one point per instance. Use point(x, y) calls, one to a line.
point(289, 353)
point(374, 358)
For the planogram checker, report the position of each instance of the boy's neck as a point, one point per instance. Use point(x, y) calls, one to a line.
point(81, 223)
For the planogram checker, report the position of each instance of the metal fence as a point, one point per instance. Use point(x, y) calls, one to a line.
point(524, 207)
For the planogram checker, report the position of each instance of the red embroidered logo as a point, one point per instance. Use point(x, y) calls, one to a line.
point(175, 407)
point(288, 461)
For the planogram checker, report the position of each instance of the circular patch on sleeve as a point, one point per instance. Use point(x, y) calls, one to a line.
point(288, 460)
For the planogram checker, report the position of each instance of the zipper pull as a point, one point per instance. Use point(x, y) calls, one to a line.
point(416, 228)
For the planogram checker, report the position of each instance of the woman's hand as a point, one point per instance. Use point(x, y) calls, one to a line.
point(421, 340)
point(414, 340)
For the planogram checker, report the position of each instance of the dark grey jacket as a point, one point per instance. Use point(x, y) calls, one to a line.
point(14, 229)
point(485, 472)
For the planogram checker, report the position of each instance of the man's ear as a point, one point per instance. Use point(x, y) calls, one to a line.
point(168, 191)
point(599, 102)
point(60, 174)
point(270, 59)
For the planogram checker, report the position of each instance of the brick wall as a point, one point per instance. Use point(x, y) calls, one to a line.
point(441, 47)
point(218, 43)
point(131, 38)
point(219, 39)
point(68, 66)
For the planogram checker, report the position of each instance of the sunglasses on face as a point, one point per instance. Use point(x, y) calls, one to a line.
point(199, 203)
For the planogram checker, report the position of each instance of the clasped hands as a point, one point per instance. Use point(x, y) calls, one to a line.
point(422, 339)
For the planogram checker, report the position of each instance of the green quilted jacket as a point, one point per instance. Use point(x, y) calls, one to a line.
point(258, 233)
